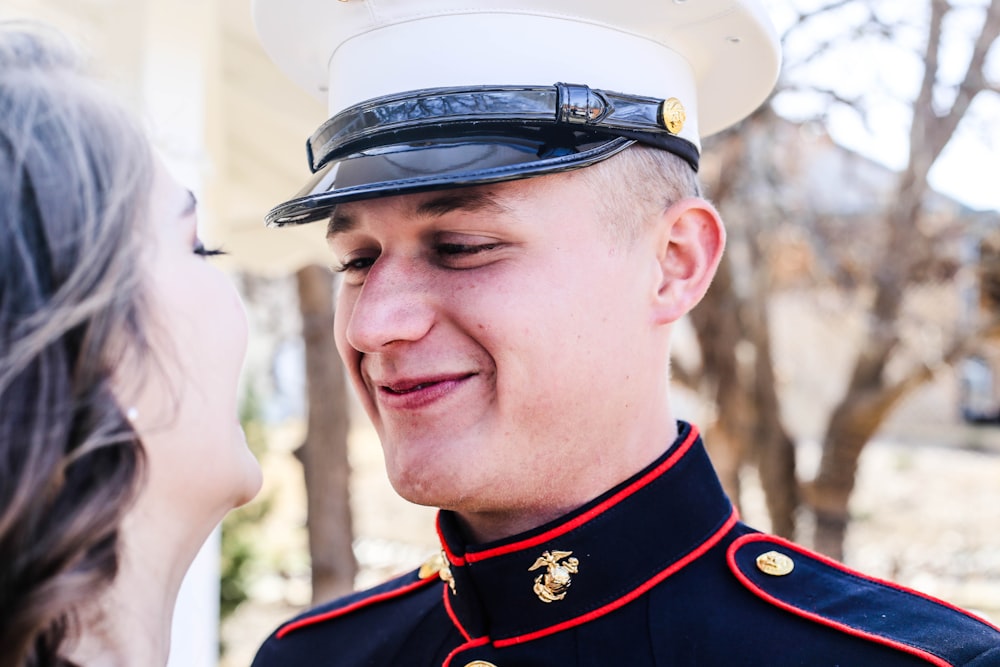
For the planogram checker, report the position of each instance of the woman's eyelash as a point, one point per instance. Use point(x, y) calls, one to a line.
point(200, 249)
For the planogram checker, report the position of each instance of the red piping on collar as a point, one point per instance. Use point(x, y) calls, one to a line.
point(630, 596)
point(453, 559)
point(452, 615)
point(464, 647)
point(562, 529)
point(334, 613)
point(878, 639)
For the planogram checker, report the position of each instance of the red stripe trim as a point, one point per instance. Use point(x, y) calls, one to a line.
point(645, 480)
point(452, 615)
point(334, 613)
point(464, 647)
point(628, 597)
point(454, 559)
point(761, 537)
point(878, 639)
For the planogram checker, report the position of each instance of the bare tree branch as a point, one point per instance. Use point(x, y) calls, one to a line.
point(922, 155)
point(960, 348)
point(941, 128)
point(804, 17)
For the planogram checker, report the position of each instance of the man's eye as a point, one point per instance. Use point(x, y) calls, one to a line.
point(450, 249)
point(357, 264)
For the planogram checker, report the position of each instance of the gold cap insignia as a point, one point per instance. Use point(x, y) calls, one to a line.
point(775, 563)
point(552, 585)
point(672, 115)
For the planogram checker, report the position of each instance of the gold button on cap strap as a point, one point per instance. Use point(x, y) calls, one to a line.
point(480, 663)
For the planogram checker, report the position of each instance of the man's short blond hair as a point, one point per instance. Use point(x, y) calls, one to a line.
point(637, 184)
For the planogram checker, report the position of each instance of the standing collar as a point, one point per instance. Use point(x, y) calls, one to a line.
point(592, 560)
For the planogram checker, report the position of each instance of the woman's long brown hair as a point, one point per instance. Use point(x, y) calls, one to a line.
point(74, 176)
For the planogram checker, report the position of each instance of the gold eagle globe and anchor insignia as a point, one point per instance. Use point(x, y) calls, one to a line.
point(437, 565)
point(445, 573)
point(672, 115)
point(552, 585)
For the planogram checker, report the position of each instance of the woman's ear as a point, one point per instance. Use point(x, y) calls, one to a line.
point(690, 238)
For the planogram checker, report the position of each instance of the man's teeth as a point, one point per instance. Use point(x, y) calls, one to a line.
point(406, 390)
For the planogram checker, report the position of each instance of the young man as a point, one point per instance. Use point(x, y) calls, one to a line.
point(514, 256)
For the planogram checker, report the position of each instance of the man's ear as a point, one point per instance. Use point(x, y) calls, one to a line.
point(690, 238)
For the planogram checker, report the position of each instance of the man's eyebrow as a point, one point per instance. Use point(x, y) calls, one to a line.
point(340, 222)
point(470, 201)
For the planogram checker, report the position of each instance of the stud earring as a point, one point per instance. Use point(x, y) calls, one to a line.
point(132, 414)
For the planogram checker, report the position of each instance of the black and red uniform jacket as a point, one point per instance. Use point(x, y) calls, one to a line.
point(657, 571)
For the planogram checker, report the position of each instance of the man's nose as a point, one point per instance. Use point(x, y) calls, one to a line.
point(393, 305)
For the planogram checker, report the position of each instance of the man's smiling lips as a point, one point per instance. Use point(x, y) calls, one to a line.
point(417, 392)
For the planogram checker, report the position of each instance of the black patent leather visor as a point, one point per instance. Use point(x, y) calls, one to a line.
point(445, 138)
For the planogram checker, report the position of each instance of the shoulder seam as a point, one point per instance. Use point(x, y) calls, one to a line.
point(354, 606)
point(898, 644)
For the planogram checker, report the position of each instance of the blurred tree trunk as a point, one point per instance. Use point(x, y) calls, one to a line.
point(870, 397)
point(717, 326)
point(733, 333)
point(324, 452)
point(773, 447)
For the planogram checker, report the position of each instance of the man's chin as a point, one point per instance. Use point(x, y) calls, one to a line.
point(420, 488)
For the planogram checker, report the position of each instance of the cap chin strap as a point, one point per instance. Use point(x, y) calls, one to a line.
point(437, 113)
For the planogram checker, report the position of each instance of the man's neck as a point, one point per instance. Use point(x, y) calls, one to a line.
point(595, 478)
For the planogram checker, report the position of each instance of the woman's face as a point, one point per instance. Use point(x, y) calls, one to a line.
point(185, 396)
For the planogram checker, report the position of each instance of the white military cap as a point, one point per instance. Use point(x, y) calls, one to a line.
point(432, 94)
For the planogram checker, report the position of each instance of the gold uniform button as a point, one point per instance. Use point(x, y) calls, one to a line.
point(775, 563)
point(480, 663)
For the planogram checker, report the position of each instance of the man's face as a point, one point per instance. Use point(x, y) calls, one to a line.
point(498, 340)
